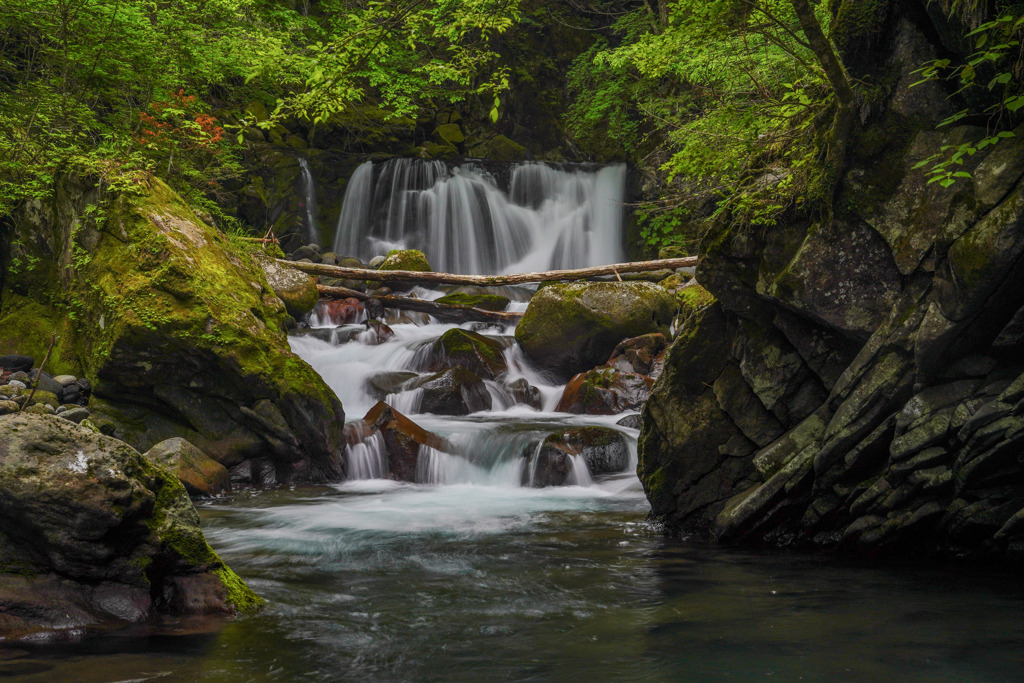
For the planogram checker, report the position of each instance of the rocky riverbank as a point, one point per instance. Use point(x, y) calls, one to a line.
point(856, 384)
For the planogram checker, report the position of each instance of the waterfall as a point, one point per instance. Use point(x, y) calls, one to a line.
point(354, 217)
point(309, 231)
point(548, 217)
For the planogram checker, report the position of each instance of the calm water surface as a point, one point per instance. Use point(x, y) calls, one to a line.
point(379, 581)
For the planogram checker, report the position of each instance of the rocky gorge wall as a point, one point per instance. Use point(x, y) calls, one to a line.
point(857, 384)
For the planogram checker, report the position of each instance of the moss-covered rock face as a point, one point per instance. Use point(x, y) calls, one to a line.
point(180, 335)
point(573, 327)
point(94, 535)
point(406, 259)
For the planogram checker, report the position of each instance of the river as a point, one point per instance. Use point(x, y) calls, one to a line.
point(470, 575)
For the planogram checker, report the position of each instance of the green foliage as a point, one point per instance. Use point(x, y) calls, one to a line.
point(990, 76)
point(402, 57)
point(724, 97)
point(83, 81)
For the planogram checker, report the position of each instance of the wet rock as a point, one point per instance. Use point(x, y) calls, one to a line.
point(601, 450)
point(631, 421)
point(405, 259)
point(376, 261)
point(569, 328)
point(45, 382)
point(75, 415)
point(456, 391)
point(604, 391)
point(200, 475)
point(475, 352)
point(381, 385)
point(340, 311)
point(525, 393)
point(94, 536)
point(402, 437)
point(637, 355)
point(307, 251)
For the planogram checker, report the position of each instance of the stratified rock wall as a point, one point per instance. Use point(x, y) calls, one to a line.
point(859, 384)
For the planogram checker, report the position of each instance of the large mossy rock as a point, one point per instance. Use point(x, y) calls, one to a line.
point(93, 535)
point(569, 328)
point(180, 334)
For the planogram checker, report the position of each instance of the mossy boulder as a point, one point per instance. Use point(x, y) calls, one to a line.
point(569, 328)
point(93, 535)
point(488, 302)
point(406, 259)
point(198, 473)
point(179, 333)
point(460, 348)
point(296, 289)
point(605, 391)
point(499, 148)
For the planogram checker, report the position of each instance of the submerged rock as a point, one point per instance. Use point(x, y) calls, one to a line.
point(93, 535)
point(569, 328)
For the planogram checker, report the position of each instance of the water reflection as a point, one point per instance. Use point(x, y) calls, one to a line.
point(479, 583)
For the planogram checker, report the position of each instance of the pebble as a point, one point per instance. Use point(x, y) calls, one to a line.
point(17, 383)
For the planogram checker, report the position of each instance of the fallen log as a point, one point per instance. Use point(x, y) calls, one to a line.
point(488, 280)
point(446, 312)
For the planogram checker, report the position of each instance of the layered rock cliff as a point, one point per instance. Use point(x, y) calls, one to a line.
point(858, 382)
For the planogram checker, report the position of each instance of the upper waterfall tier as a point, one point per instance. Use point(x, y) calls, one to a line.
point(548, 217)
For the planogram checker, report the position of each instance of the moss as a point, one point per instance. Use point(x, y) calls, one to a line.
point(654, 483)
point(27, 327)
point(488, 302)
point(406, 259)
point(239, 596)
point(694, 298)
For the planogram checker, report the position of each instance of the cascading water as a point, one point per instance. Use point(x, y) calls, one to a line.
point(309, 231)
point(548, 217)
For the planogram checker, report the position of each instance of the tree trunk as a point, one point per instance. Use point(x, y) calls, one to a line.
point(487, 280)
point(445, 312)
point(836, 74)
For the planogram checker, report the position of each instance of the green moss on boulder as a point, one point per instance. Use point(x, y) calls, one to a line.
point(406, 259)
point(94, 535)
point(573, 327)
point(180, 335)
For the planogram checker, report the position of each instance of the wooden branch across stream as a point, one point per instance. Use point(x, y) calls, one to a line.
point(488, 280)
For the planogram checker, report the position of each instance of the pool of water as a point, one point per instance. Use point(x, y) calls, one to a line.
point(375, 580)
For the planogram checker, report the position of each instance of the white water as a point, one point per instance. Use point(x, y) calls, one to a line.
point(309, 231)
point(548, 217)
point(464, 222)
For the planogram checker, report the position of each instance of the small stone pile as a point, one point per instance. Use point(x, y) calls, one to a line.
point(63, 395)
